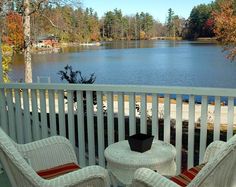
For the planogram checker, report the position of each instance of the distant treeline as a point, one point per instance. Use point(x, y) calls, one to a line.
point(83, 25)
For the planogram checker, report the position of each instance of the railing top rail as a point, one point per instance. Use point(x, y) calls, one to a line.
point(228, 92)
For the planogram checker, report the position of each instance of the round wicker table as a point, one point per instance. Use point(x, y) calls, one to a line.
point(122, 162)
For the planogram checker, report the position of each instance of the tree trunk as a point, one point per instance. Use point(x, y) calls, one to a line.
point(27, 54)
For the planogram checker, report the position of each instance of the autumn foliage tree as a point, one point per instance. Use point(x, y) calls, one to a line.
point(208, 27)
point(13, 34)
point(6, 61)
point(225, 27)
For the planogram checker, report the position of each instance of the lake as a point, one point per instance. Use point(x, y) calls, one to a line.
point(163, 63)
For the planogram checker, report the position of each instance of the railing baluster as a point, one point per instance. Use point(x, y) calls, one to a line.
point(217, 119)
point(19, 115)
point(203, 133)
point(178, 138)
point(143, 113)
point(11, 115)
point(191, 128)
point(27, 120)
point(100, 127)
point(4, 120)
point(230, 117)
point(90, 127)
point(52, 114)
point(121, 119)
point(61, 113)
point(43, 114)
point(110, 118)
point(71, 121)
point(132, 117)
point(19, 122)
point(35, 115)
point(167, 118)
point(155, 123)
point(80, 131)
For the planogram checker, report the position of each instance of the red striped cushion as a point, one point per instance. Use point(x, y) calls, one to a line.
point(187, 176)
point(58, 170)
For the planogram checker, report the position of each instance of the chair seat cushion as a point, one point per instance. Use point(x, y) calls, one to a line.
point(187, 176)
point(58, 170)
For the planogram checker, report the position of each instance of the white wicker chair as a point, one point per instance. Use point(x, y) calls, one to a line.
point(22, 161)
point(218, 172)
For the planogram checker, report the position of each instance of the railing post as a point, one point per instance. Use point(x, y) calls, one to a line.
point(1, 79)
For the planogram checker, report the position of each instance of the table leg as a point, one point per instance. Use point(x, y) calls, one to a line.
point(115, 182)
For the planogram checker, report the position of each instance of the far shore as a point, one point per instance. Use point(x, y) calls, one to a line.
point(160, 100)
point(75, 44)
point(185, 110)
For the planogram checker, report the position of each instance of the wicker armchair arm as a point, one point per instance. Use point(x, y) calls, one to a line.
point(95, 176)
point(48, 153)
point(212, 150)
point(144, 177)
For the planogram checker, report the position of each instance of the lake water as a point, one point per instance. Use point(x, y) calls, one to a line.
point(165, 63)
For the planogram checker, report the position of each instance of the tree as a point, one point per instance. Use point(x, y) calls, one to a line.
point(92, 24)
point(118, 24)
point(170, 25)
point(27, 41)
point(115, 24)
point(198, 19)
point(29, 8)
point(158, 29)
point(108, 23)
point(12, 37)
point(143, 25)
point(146, 23)
point(76, 77)
point(13, 31)
point(119, 27)
point(178, 25)
point(4, 9)
point(7, 53)
point(225, 26)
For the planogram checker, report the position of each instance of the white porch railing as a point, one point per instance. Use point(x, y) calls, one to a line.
point(30, 112)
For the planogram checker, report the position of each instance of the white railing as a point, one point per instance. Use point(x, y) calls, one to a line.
point(33, 111)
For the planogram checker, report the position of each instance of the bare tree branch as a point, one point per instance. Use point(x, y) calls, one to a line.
point(51, 22)
point(37, 6)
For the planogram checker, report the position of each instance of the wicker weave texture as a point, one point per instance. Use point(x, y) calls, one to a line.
point(21, 161)
point(218, 172)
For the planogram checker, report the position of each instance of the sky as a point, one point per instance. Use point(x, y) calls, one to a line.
point(157, 8)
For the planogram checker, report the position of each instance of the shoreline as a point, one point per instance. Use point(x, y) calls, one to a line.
point(161, 100)
point(99, 43)
point(185, 111)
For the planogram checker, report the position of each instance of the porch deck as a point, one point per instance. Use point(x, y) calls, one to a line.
point(31, 112)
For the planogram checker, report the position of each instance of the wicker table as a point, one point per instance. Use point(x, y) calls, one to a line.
point(122, 162)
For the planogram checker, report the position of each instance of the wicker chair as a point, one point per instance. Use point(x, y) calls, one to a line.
point(21, 161)
point(219, 170)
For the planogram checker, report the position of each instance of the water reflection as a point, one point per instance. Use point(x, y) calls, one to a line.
point(167, 63)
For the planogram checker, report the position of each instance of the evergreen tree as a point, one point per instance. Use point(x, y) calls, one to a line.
point(170, 25)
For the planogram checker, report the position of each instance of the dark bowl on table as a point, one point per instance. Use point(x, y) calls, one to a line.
point(140, 142)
